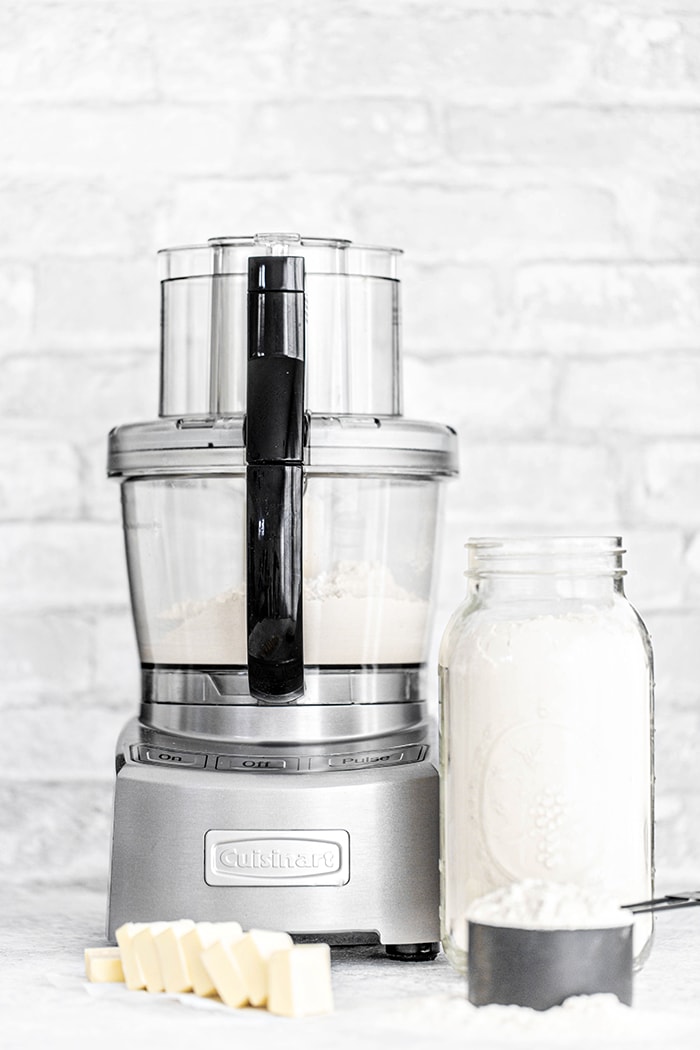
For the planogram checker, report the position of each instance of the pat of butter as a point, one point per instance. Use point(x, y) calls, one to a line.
point(174, 970)
point(226, 974)
point(195, 941)
point(144, 947)
point(300, 981)
point(133, 974)
point(103, 964)
point(251, 953)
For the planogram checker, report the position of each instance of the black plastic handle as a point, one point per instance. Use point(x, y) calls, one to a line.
point(275, 432)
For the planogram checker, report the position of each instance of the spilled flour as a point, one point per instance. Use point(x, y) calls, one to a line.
point(587, 1020)
point(445, 1019)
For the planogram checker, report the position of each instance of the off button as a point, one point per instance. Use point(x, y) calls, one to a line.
point(163, 756)
point(255, 762)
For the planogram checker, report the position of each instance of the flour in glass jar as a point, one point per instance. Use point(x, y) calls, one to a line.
point(550, 771)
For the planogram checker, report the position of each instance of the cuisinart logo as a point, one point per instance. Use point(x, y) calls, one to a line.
point(277, 858)
point(259, 857)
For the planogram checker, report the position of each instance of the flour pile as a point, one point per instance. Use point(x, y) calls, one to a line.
point(536, 904)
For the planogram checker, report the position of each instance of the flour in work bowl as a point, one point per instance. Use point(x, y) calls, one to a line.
point(538, 943)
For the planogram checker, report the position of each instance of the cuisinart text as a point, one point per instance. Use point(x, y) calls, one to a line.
point(277, 857)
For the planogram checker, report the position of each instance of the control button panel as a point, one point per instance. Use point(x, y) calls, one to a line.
point(165, 756)
point(365, 759)
point(257, 762)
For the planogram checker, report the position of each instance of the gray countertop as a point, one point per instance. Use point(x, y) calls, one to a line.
point(45, 1000)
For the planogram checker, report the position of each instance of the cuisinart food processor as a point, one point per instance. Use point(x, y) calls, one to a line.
point(280, 520)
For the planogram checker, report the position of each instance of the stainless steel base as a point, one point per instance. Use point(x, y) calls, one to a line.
point(349, 855)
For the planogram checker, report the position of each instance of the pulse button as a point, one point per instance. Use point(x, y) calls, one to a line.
point(367, 759)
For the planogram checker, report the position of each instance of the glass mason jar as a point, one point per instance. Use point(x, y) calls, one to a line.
point(546, 730)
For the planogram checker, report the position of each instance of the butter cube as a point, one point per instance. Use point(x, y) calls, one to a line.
point(103, 964)
point(300, 981)
point(146, 955)
point(226, 974)
point(195, 941)
point(251, 953)
point(173, 963)
point(133, 974)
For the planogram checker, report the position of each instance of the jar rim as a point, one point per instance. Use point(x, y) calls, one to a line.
point(582, 544)
point(545, 555)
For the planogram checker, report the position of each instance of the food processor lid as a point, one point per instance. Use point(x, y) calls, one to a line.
point(220, 256)
point(334, 445)
point(352, 324)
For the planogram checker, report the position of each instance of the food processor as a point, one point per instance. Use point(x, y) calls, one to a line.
point(280, 520)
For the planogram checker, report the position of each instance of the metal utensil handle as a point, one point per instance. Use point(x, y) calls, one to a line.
point(670, 902)
point(274, 433)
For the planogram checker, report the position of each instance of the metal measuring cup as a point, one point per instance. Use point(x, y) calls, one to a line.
point(542, 968)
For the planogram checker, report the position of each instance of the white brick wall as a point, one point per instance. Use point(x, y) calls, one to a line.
point(539, 160)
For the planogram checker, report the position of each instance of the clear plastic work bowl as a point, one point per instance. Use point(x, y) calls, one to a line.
point(368, 569)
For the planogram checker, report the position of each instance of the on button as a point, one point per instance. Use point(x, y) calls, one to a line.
point(163, 756)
